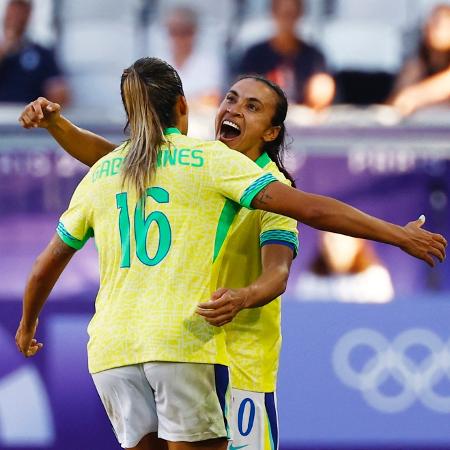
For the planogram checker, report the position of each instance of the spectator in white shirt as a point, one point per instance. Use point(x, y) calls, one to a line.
point(201, 69)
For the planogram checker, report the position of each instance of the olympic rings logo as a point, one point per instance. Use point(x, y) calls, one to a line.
point(416, 380)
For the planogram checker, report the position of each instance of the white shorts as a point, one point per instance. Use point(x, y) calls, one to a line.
point(254, 420)
point(180, 401)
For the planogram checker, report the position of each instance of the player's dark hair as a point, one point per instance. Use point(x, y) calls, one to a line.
point(150, 89)
point(276, 149)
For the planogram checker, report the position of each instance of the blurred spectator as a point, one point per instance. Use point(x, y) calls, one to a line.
point(299, 68)
point(425, 79)
point(27, 70)
point(200, 69)
point(346, 269)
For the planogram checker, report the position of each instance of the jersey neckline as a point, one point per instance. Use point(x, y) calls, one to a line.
point(172, 130)
point(263, 160)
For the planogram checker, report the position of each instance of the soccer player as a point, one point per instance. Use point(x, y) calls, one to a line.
point(315, 210)
point(152, 204)
point(256, 264)
point(262, 242)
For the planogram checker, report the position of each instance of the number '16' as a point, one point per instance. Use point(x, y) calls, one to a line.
point(142, 226)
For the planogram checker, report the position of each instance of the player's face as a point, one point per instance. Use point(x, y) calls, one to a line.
point(243, 121)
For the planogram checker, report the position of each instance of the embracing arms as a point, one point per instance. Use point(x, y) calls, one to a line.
point(328, 214)
point(226, 303)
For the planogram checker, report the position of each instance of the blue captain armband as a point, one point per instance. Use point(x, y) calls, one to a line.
point(280, 237)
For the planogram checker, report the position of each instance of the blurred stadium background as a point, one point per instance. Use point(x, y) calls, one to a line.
point(358, 371)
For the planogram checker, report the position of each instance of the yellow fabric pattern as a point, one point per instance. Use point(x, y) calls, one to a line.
point(254, 336)
point(156, 259)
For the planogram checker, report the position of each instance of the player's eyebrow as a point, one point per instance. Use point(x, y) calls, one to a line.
point(254, 99)
point(250, 99)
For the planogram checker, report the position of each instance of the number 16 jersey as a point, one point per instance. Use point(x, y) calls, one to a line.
point(157, 257)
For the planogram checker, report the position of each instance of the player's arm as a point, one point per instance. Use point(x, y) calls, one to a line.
point(226, 303)
point(328, 214)
point(45, 272)
point(82, 144)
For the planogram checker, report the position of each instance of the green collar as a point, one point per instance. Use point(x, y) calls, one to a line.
point(172, 131)
point(263, 160)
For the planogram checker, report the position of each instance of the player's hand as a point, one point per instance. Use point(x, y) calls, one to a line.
point(423, 244)
point(223, 306)
point(40, 113)
point(26, 343)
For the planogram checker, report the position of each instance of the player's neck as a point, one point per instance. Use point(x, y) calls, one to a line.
point(253, 153)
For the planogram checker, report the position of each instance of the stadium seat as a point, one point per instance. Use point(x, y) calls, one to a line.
point(375, 11)
point(101, 10)
point(97, 45)
point(362, 45)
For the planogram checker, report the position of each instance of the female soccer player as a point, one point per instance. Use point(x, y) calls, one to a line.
point(256, 264)
point(225, 174)
point(262, 242)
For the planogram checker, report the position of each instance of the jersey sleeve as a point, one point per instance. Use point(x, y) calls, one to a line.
point(235, 176)
point(75, 225)
point(276, 229)
point(281, 230)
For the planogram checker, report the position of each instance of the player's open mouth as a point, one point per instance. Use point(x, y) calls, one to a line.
point(229, 130)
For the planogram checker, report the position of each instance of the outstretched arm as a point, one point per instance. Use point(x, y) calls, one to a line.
point(226, 303)
point(83, 145)
point(328, 214)
point(44, 274)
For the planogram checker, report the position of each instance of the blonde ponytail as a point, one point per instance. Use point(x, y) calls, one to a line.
point(146, 134)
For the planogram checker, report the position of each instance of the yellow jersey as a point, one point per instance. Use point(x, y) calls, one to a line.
point(157, 255)
point(254, 336)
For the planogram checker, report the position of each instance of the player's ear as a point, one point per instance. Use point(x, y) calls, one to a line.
point(271, 134)
point(182, 105)
point(182, 113)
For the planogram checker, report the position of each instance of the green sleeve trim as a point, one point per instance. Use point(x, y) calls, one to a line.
point(71, 241)
point(289, 237)
point(256, 187)
point(229, 212)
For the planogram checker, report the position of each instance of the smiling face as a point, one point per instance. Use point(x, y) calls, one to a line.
point(244, 118)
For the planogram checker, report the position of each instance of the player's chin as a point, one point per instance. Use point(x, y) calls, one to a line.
point(235, 143)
